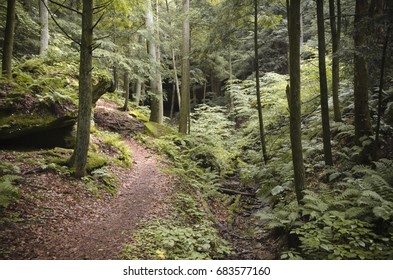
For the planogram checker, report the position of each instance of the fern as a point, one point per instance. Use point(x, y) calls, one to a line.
point(8, 192)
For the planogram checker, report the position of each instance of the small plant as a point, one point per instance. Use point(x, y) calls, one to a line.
point(8, 191)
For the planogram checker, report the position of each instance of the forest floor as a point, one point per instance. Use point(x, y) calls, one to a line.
point(56, 217)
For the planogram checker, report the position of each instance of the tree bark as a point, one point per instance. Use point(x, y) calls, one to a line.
point(44, 39)
point(8, 43)
point(185, 84)
point(294, 97)
point(176, 78)
point(126, 90)
point(258, 90)
point(157, 108)
point(335, 27)
point(381, 84)
point(138, 91)
point(327, 148)
point(362, 114)
point(79, 156)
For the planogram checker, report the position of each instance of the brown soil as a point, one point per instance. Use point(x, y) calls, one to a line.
point(56, 217)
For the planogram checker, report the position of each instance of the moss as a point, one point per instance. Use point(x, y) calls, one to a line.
point(19, 125)
point(139, 115)
point(157, 130)
point(95, 161)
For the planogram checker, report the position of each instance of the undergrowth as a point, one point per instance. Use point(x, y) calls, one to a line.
point(186, 233)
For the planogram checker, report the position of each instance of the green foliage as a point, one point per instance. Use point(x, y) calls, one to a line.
point(8, 191)
point(121, 152)
point(186, 234)
point(353, 220)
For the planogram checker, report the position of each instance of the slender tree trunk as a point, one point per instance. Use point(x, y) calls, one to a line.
point(260, 115)
point(176, 78)
point(115, 77)
point(44, 40)
point(381, 84)
point(79, 156)
point(138, 91)
point(294, 97)
point(362, 114)
point(126, 90)
point(172, 101)
point(327, 149)
point(185, 84)
point(232, 105)
point(204, 92)
point(8, 43)
point(174, 65)
point(335, 27)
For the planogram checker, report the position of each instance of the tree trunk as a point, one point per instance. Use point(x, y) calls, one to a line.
point(362, 113)
point(126, 91)
point(138, 91)
point(157, 108)
point(172, 101)
point(204, 92)
point(176, 78)
point(335, 27)
point(381, 84)
point(294, 97)
point(79, 156)
point(327, 148)
point(260, 115)
point(185, 79)
point(44, 40)
point(115, 77)
point(8, 43)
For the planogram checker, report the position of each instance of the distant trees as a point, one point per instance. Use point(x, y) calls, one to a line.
point(335, 30)
point(8, 39)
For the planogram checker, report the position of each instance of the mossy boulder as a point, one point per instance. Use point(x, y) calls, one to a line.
point(157, 130)
point(24, 115)
point(139, 115)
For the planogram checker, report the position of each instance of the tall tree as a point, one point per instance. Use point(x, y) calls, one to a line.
point(362, 114)
point(294, 100)
point(79, 156)
point(44, 39)
point(260, 115)
point(155, 79)
point(335, 28)
point(185, 79)
point(8, 43)
point(327, 149)
point(126, 80)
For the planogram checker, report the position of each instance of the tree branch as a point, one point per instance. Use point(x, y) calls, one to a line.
point(58, 25)
point(65, 7)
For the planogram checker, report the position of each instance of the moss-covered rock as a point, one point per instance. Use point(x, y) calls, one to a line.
point(157, 130)
point(139, 115)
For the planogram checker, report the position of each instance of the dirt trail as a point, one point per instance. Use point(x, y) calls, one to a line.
point(61, 220)
point(103, 236)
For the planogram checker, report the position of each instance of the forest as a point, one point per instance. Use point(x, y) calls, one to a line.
point(196, 129)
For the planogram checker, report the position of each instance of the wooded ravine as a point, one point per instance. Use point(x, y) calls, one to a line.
point(210, 129)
